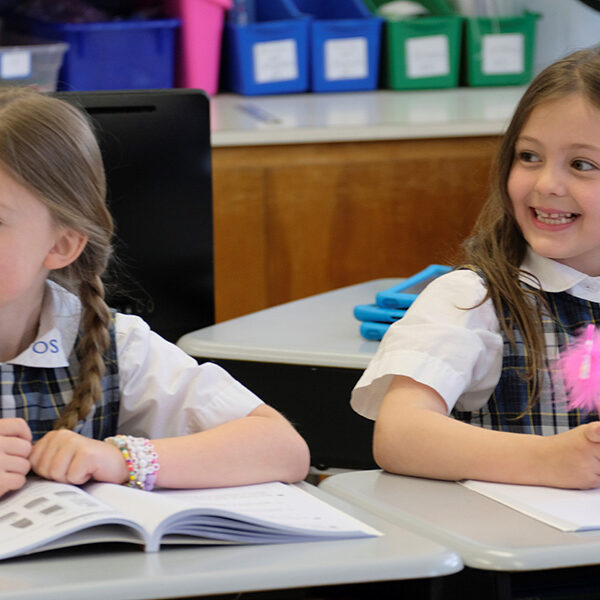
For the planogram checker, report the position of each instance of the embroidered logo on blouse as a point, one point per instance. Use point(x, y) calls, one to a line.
point(41, 347)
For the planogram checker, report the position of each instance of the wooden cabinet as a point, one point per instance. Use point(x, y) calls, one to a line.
point(295, 220)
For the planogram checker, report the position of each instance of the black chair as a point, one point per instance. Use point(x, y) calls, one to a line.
point(156, 150)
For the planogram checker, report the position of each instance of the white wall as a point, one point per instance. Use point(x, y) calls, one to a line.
point(565, 25)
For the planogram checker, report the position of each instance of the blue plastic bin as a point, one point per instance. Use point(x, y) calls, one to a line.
point(112, 55)
point(345, 45)
point(269, 56)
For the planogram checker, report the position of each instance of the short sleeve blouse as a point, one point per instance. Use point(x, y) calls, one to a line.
point(164, 392)
point(455, 351)
point(440, 343)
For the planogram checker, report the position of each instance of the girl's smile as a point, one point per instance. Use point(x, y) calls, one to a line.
point(554, 183)
point(552, 219)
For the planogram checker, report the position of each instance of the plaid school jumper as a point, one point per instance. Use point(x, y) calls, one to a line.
point(506, 410)
point(38, 394)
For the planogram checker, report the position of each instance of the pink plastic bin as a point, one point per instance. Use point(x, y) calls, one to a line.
point(199, 46)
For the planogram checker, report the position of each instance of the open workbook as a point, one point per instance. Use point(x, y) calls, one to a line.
point(567, 510)
point(44, 515)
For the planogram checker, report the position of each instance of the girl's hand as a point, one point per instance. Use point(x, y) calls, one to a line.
point(69, 457)
point(15, 447)
point(574, 457)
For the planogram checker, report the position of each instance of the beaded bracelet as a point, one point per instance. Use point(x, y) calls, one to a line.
point(141, 460)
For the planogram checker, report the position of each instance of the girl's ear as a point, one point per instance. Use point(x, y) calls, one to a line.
point(69, 245)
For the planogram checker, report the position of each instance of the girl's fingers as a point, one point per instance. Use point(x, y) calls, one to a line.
point(78, 471)
point(69, 457)
point(15, 465)
point(14, 427)
point(62, 456)
point(49, 466)
point(42, 456)
point(11, 481)
point(15, 446)
point(13, 472)
point(62, 459)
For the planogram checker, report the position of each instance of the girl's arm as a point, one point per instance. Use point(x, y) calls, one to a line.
point(260, 447)
point(415, 436)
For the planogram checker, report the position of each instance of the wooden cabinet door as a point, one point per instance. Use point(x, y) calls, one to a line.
point(295, 220)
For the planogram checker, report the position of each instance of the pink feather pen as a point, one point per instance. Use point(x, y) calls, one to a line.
point(580, 366)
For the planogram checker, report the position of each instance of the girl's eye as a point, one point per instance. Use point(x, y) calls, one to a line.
point(528, 157)
point(582, 165)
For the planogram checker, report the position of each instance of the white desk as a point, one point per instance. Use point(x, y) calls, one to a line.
point(120, 573)
point(486, 534)
point(303, 358)
point(319, 330)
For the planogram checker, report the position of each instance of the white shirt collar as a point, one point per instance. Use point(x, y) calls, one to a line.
point(59, 323)
point(556, 277)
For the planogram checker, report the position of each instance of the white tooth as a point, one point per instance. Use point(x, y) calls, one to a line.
point(555, 221)
point(554, 218)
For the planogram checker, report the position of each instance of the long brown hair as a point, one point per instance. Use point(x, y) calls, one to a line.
point(49, 147)
point(496, 246)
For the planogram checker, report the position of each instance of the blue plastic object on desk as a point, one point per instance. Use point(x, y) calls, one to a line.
point(379, 314)
point(391, 304)
point(371, 330)
point(403, 294)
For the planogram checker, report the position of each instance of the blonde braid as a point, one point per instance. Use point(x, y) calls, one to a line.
point(49, 147)
point(91, 348)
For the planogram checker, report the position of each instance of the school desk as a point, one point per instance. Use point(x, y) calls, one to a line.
point(506, 551)
point(123, 572)
point(303, 357)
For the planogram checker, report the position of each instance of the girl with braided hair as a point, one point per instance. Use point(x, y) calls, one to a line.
point(85, 392)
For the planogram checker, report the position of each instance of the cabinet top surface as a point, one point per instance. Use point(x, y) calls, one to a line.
point(361, 116)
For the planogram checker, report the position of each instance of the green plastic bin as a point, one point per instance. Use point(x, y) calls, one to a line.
point(421, 52)
point(499, 50)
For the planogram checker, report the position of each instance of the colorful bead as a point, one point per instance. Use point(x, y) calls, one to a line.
point(141, 460)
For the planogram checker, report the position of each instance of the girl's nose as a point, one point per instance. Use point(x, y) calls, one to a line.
point(551, 181)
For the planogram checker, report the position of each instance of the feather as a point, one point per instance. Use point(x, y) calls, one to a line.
point(580, 366)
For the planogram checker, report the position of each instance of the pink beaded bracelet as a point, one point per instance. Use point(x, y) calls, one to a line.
point(141, 460)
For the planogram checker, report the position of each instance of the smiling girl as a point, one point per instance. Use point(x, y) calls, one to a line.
point(464, 385)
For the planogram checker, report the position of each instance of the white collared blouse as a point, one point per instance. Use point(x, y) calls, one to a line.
point(164, 392)
point(456, 352)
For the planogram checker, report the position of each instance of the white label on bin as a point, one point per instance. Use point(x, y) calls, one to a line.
point(503, 53)
point(15, 64)
point(275, 61)
point(346, 58)
point(427, 56)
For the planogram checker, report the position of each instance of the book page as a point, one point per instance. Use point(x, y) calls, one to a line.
point(567, 510)
point(278, 512)
point(261, 513)
point(148, 509)
point(43, 511)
